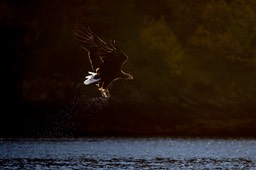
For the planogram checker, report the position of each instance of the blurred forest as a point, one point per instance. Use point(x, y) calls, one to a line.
point(193, 62)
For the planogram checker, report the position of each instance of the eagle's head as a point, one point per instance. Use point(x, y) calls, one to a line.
point(126, 76)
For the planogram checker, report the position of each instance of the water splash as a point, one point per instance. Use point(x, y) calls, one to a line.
point(95, 104)
point(63, 122)
point(89, 105)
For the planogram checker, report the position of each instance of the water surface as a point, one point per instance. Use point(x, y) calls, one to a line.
point(128, 153)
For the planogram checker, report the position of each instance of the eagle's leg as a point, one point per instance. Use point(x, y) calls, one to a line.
point(104, 92)
point(100, 84)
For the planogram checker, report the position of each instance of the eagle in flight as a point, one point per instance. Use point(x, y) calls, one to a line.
point(106, 60)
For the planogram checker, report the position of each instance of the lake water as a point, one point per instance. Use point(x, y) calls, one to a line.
point(128, 153)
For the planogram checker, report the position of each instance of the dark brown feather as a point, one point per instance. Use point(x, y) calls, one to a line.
point(101, 54)
point(106, 58)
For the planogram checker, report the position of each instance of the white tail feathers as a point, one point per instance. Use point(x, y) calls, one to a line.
point(91, 78)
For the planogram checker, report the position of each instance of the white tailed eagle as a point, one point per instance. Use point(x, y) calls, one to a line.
point(106, 60)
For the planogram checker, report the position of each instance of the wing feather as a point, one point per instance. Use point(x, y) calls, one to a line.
point(103, 56)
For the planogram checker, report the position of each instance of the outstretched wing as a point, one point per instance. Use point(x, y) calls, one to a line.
point(92, 44)
point(112, 60)
point(103, 57)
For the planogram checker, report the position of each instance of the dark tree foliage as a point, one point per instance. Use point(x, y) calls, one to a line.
point(193, 62)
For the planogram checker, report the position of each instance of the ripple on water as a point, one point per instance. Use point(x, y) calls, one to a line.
point(109, 153)
point(129, 163)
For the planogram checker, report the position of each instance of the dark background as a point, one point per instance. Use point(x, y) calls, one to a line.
point(193, 62)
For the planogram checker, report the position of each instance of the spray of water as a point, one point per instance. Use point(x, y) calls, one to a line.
point(95, 104)
point(89, 105)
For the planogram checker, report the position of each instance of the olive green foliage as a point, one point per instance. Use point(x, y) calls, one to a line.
point(193, 62)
